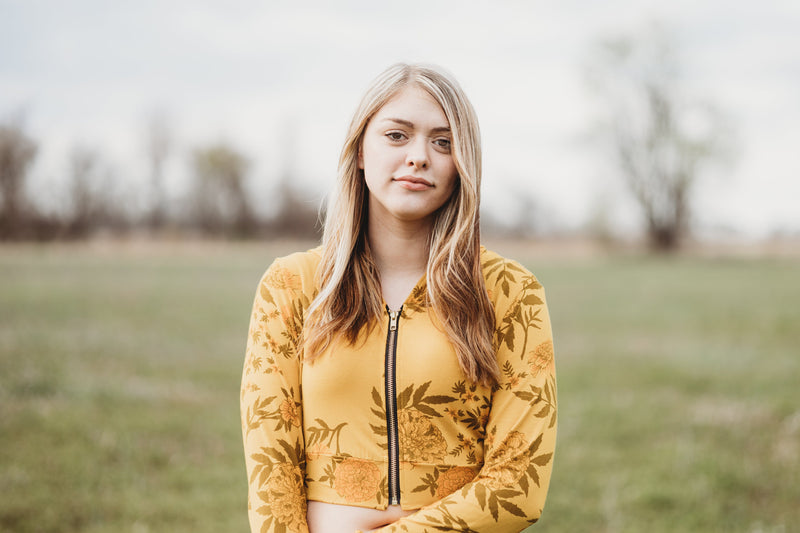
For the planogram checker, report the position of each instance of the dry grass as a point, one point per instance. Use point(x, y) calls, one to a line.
point(120, 365)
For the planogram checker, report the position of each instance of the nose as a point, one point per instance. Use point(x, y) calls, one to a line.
point(417, 156)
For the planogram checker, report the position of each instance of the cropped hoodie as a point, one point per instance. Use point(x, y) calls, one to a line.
point(392, 419)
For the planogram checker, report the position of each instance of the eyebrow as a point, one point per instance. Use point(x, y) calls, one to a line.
point(440, 129)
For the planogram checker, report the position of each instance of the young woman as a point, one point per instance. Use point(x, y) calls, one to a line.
point(400, 376)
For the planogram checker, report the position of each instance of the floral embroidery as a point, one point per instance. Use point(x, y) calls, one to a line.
point(287, 313)
point(541, 358)
point(282, 278)
point(357, 480)
point(508, 461)
point(289, 412)
point(453, 413)
point(417, 300)
point(473, 458)
point(477, 416)
point(420, 440)
point(314, 451)
point(285, 497)
point(453, 479)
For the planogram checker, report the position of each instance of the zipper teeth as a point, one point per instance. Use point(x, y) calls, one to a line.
point(391, 408)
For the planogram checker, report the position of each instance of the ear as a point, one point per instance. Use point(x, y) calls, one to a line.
point(360, 158)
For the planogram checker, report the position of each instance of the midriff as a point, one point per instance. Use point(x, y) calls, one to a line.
point(333, 518)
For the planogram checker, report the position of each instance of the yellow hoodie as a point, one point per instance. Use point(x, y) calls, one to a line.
point(469, 457)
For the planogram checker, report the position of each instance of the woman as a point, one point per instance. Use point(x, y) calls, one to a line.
point(400, 376)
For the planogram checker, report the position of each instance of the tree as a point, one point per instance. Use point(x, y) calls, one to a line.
point(661, 141)
point(221, 204)
point(91, 202)
point(17, 152)
point(158, 143)
point(297, 214)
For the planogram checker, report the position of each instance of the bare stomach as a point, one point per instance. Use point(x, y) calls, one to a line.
point(333, 518)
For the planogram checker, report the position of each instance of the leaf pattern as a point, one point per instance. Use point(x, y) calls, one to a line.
point(410, 398)
point(417, 300)
point(323, 435)
point(443, 481)
point(379, 427)
point(278, 475)
point(472, 458)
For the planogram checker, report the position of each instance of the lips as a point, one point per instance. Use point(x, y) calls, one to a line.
point(414, 183)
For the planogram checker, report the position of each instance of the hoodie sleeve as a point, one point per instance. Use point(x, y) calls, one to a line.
point(271, 408)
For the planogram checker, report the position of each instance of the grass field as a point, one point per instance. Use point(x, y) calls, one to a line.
point(679, 390)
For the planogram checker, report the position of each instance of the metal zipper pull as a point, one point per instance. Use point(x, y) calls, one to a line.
point(393, 320)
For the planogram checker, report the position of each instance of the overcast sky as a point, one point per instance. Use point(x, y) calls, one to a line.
point(279, 81)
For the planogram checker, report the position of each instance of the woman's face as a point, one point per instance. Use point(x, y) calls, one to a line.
point(405, 155)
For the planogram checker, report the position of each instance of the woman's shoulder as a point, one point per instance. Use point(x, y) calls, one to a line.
point(505, 276)
point(497, 268)
point(296, 271)
point(300, 261)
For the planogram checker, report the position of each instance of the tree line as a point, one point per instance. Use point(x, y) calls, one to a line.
point(659, 141)
point(216, 204)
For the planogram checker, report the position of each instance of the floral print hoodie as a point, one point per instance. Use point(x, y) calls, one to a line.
point(392, 419)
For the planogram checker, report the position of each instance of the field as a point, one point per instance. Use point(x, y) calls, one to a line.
point(120, 367)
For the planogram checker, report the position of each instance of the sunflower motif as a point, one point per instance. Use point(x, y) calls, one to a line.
point(454, 479)
point(283, 492)
point(357, 480)
point(282, 278)
point(508, 462)
point(289, 412)
point(541, 358)
point(420, 440)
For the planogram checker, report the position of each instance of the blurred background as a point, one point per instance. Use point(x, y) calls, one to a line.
point(639, 157)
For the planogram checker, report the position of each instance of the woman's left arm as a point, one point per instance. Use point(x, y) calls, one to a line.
point(508, 493)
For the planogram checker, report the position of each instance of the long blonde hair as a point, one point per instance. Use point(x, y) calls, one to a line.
point(350, 293)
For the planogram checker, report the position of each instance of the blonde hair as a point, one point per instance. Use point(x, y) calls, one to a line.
point(350, 293)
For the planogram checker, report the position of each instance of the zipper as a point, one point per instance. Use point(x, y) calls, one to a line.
point(391, 406)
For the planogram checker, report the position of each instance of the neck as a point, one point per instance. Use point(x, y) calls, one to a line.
point(399, 248)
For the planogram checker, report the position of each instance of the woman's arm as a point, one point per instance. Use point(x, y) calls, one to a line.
point(508, 493)
point(271, 408)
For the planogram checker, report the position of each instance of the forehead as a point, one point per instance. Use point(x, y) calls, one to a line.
point(413, 104)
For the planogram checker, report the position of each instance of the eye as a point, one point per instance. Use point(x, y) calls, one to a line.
point(395, 136)
point(442, 143)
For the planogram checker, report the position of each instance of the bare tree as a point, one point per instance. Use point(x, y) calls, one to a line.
point(297, 209)
point(17, 152)
point(660, 140)
point(298, 215)
point(158, 143)
point(82, 192)
point(93, 204)
point(221, 203)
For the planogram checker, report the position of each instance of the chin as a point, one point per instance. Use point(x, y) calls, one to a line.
point(414, 215)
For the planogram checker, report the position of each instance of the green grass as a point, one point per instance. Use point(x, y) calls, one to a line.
point(120, 367)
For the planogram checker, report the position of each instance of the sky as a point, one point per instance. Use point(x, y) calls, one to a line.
point(280, 80)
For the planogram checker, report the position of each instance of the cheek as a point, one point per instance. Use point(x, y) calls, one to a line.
point(452, 174)
point(453, 186)
point(366, 152)
point(369, 154)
